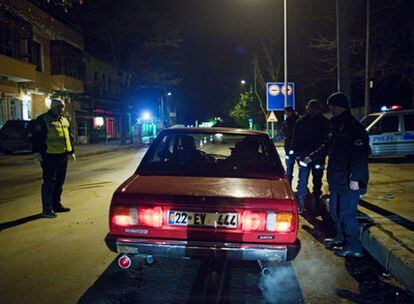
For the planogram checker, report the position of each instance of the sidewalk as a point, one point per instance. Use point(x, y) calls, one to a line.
point(389, 204)
point(386, 215)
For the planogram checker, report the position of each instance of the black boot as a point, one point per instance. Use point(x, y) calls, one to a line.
point(330, 244)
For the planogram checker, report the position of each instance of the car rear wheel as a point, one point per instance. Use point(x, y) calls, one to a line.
point(8, 151)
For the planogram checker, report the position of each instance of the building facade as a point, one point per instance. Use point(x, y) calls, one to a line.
point(104, 92)
point(40, 57)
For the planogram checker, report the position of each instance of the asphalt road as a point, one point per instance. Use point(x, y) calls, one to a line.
point(65, 260)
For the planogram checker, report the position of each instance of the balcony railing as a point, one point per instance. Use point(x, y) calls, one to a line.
point(65, 59)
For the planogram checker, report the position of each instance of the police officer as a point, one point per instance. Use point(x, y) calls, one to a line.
point(287, 132)
point(310, 133)
point(52, 144)
point(347, 175)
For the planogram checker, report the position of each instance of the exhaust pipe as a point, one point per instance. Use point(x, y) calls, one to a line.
point(124, 262)
point(265, 267)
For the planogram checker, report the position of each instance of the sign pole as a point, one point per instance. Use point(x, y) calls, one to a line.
point(285, 49)
point(273, 130)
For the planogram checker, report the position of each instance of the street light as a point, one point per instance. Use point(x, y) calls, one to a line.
point(243, 82)
point(146, 115)
point(169, 93)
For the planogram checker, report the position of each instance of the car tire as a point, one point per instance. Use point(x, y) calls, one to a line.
point(8, 152)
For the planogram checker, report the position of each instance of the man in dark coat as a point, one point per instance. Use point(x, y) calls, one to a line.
point(310, 133)
point(287, 132)
point(347, 175)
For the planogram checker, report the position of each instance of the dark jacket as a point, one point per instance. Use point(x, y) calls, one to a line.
point(349, 150)
point(39, 134)
point(287, 130)
point(309, 134)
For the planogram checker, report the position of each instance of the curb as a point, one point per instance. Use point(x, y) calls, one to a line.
point(396, 259)
point(386, 250)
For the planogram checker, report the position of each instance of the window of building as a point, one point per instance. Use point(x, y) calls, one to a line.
point(9, 42)
point(37, 55)
point(3, 117)
point(65, 59)
point(15, 109)
point(96, 76)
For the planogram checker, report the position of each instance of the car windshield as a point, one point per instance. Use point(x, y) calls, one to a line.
point(212, 154)
point(368, 120)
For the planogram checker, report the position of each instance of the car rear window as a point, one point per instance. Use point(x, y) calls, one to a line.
point(212, 154)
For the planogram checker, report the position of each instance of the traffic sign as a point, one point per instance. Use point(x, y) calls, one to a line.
point(272, 117)
point(276, 95)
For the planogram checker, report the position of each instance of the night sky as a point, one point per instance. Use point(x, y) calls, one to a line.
point(219, 38)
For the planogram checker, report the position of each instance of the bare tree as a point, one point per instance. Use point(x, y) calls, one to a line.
point(265, 68)
point(391, 50)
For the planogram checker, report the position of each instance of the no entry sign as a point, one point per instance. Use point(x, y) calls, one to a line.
point(276, 95)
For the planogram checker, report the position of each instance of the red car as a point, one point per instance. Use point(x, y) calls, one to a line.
point(201, 192)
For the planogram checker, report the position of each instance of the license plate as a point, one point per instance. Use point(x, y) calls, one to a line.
point(204, 219)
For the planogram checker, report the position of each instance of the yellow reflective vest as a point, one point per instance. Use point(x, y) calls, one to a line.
point(58, 137)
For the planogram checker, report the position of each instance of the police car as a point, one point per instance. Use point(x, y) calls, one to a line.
point(391, 132)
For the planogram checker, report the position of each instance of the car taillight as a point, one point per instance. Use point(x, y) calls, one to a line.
point(150, 217)
point(284, 221)
point(122, 216)
point(267, 221)
point(254, 220)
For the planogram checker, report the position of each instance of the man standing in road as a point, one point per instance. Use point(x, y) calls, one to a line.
point(310, 132)
point(52, 144)
point(347, 175)
point(287, 132)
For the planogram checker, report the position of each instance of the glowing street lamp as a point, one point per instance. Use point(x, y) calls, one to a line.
point(243, 82)
point(146, 115)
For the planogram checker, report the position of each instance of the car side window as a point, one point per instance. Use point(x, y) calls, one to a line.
point(389, 124)
point(409, 122)
point(162, 152)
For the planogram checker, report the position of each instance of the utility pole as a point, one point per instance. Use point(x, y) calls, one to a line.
point(342, 48)
point(367, 43)
point(285, 50)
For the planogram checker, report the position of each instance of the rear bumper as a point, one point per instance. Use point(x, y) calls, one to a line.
point(203, 249)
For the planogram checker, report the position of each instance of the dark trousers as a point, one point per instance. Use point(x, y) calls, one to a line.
point(343, 207)
point(302, 189)
point(290, 162)
point(54, 173)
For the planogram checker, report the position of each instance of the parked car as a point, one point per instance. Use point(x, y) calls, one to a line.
point(206, 192)
point(16, 135)
point(391, 132)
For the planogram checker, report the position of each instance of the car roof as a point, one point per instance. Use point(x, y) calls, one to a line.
point(17, 120)
point(217, 130)
point(406, 111)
